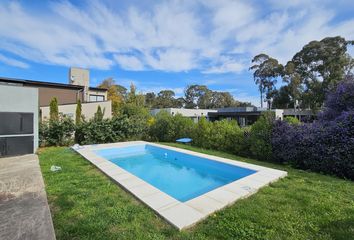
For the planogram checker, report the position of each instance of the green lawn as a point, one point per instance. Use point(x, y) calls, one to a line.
point(85, 204)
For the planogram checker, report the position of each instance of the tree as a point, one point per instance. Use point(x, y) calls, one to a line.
point(115, 94)
point(282, 98)
point(53, 109)
point(294, 87)
point(99, 114)
point(134, 98)
point(320, 66)
point(78, 114)
point(197, 96)
point(165, 99)
point(222, 100)
point(266, 71)
point(150, 100)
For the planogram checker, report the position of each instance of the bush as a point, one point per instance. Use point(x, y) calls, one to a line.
point(260, 137)
point(94, 132)
point(202, 133)
point(168, 128)
point(226, 135)
point(324, 146)
point(120, 128)
point(340, 100)
point(292, 120)
point(58, 132)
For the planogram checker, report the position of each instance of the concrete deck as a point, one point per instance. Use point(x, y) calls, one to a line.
point(24, 211)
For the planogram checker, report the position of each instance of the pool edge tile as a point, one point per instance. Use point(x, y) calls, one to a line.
point(182, 215)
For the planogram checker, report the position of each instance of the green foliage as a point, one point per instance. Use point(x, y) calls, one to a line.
point(226, 136)
point(168, 128)
point(120, 128)
point(56, 132)
point(201, 133)
point(292, 120)
point(53, 109)
point(266, 71)
point(260, 137)
point(78, 115)
point(99, 114)
point(94, 132)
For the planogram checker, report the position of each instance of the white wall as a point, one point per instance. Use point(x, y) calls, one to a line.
point(88, 110)
point(21, 99)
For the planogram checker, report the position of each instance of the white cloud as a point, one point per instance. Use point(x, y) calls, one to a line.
point(13, 62)
point(175, 35)
point(226, 64)
point(129, 62)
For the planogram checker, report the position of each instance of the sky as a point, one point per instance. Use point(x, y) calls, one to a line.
point(162, 44)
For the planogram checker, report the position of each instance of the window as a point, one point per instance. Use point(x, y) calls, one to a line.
point(96, 98)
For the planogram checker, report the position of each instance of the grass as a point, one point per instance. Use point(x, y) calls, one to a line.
point(85, 204)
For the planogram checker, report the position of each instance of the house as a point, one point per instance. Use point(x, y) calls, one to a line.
point(194, 114)
point(67, 94)
point(244, 116)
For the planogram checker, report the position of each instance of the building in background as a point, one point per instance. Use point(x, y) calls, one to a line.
point(78, 88)
point(244, 116)
point(194, 114)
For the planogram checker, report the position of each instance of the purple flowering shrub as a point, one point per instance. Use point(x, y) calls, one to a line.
point(325, 146)
point(340, 100)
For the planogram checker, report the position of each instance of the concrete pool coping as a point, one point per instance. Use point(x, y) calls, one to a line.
point(182, 214)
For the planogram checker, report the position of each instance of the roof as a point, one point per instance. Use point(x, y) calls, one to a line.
point(48, 84)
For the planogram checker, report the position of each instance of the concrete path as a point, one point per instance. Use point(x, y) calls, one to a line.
point(24, 211)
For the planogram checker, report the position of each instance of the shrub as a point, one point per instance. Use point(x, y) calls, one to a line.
point(225, 135)
point(120, 128)
point(56, 132)
point(292, 120)
point(323, 146)
point(260, 137)
point(202, 132)
point(340, 100)
point(168, 128)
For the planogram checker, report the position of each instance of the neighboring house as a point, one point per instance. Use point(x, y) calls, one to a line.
point(67, 94)
point(243, 115)
point(194, 114)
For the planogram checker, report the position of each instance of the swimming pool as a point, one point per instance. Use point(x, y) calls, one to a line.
point(182, 186)
point(180, 175)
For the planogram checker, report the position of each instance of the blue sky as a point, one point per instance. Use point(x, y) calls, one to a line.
point(162, 44)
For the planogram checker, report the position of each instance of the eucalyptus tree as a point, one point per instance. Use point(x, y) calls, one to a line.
point(319, 66)
point(266, 71)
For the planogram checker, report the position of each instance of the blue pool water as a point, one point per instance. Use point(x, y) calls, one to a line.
point(182, 176)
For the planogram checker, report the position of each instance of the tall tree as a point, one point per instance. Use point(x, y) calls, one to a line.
point(78, 114)
point(282, 98)
point(99, 114)
point(150, 100)
point(165, 99)
point(197, 96)
point(222, 100)
point(321, 65)
point(266, 70)
point(53, 109)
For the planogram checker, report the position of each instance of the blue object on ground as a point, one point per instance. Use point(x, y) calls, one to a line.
point(184, 140)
